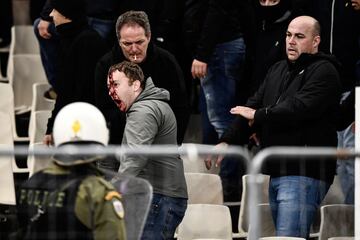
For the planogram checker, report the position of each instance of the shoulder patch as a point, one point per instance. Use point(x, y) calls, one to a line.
point(111, 195)
point(118, 208)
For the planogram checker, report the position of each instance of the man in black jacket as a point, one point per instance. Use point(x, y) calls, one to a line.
point(134, 44)
point(80, 49)
point(295, 106)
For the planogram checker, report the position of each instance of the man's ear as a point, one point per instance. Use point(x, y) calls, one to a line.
point(316, 42)
point(136, 85)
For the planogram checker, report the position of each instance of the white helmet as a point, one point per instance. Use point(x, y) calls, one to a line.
point(80, 122)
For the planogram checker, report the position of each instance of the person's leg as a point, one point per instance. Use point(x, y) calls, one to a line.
point(209, 135)
point(105, 28)
point(294, 201)
point(164, 216)
point(345, 167)
point(48, 51)
point(219, 86)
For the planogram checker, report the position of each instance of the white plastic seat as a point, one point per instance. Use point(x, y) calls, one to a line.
point(38, 125)
point(342, 238)
point(7, 105)
point(36, 162)
point(39, 102)
point(205, 221)
point(27, 70)
point(264, 198)
point(7, 185)
point(266, 222)
point(281, 238)
point(204, 188)
point(337, 220)
point(194, 163)
point(23, 40)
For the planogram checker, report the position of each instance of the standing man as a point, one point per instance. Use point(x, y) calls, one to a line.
point(80, 49)
point(150, 121)
point(70, 199)
point(295, 106)
point(135, 45)
point(215, 34)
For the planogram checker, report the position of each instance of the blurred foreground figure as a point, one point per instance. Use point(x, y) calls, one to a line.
point(70, 199)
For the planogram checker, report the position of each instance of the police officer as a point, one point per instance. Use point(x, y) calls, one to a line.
point(70, 199)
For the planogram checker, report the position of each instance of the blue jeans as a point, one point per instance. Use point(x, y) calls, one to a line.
point(48, 51)
point(345, 168)
point(219, 86)
point(103, 27)
point(220, 83)
point(294, 201)
point(165, 215)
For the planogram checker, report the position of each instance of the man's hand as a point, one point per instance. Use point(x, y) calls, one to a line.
point(48, 140)
point(43, 28)
point(246, 112)
point(198, 69)
point(219, 158)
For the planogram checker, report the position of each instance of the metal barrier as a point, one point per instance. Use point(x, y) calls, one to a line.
point(191, 150)
point(195, 150)
point(290, 153)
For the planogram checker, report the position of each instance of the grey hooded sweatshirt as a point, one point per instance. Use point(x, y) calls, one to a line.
point(150, 121)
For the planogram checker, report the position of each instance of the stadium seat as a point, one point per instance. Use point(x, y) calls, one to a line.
point(23, 40)
point(205, 221)
point(337, 220)
point(7, 105)
point(7, 185)
point(281, 238)
point(27, 70)
point(194, 163)
point(204, 188)
point(264, 198)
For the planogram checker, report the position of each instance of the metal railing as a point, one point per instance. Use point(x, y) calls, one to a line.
point(290, 153)
point(195, 150)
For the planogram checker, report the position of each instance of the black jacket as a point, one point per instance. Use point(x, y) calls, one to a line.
point(269, 47)
point(80, 49)
point(340, 29)
point(209, 22)
point(105, 9)
point(296, 106)
point(165, 72)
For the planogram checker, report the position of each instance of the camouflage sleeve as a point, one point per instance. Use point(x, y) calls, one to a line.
point(99, 205)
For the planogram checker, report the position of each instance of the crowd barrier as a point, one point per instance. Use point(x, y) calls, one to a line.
point(196, 151)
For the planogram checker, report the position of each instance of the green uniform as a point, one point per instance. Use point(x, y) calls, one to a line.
point(84, 205)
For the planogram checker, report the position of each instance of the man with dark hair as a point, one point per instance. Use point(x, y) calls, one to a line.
point(150, 121)
point(295, 106)
point(135, 45)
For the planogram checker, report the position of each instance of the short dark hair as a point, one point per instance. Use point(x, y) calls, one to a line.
point(317, 28)
point(131, 71)
point(133, 18)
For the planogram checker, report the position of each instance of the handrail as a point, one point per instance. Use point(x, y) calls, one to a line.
point(290, 153)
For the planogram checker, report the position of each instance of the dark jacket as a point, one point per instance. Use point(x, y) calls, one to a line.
point(165, 72)
point(209, 22)
point(340, 28)
point(80, 48)
point(105, 9)
point(270, 42)
point(296, 106)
